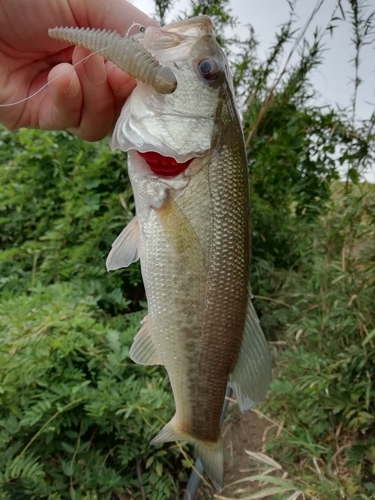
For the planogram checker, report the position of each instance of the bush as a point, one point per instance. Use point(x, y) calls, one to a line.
point(323, 385)
point(76, 415)
point(63, 202)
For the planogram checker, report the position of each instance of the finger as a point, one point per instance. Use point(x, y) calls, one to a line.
point(116, 15)
point(121, 84)
point(98, 106)
point(66, 99)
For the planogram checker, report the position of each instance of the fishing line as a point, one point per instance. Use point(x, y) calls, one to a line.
point(46, 84)
point(142, 29)
point(8, 105)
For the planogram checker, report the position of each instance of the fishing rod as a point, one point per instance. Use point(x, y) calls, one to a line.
point(195, 478)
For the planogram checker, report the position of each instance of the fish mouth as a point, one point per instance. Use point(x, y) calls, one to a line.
point(164, 166)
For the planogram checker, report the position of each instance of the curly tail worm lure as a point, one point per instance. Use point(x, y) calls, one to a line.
point(127, 53)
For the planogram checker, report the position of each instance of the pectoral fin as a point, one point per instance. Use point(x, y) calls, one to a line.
point(125, 247)
point(144, 351)
point(252, 374)
point(179, 232)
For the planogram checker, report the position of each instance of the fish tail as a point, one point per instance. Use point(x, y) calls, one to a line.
point(212, 458)
point(210, 453)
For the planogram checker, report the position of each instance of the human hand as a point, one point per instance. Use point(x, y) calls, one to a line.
point(85, 99)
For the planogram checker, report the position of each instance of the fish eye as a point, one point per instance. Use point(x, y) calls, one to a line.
point(208, 68)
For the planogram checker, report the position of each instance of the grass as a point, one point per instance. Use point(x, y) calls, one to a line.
point(321, 441)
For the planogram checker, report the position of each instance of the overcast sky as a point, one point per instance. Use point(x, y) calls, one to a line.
point(334, 78)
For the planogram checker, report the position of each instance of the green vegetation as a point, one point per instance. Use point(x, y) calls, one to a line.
point(76, 415)
point(323, 387)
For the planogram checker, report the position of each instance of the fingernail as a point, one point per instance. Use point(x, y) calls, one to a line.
point(73, 87)
point(95, 70)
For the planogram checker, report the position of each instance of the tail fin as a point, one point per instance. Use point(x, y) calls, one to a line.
point(212, 458)
point(211, 454)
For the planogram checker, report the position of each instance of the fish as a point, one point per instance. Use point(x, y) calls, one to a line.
point(191, 232)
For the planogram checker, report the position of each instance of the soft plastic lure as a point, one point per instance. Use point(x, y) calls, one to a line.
point(126, 52)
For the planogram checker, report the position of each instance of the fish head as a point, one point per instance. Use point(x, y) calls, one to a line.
point(187, 123)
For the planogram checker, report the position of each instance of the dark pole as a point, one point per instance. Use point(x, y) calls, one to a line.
point(194, 479)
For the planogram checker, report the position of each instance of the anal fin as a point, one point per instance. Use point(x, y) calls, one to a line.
point(179, 232)
point(251, 376)
point(144, 351)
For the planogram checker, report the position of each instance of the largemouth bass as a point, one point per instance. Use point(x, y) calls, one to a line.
point(188, 170)
point(191, 233)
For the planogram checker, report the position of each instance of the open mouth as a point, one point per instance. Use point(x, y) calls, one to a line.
point(164, 165)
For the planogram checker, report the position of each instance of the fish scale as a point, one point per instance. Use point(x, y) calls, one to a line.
point(191, 233)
